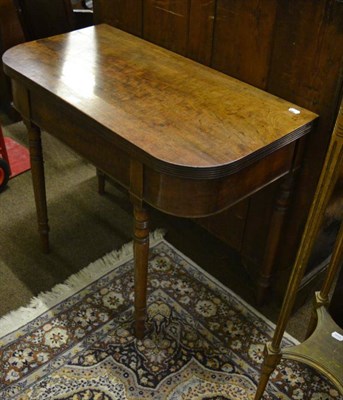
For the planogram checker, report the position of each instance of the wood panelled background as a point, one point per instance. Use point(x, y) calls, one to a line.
point(290, 48)
point(243, 39)
point(123, 14)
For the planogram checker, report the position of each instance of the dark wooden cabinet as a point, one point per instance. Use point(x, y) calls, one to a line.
point(41, 18)
point(11, 34)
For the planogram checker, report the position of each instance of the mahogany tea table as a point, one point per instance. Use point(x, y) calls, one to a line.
point(179, 136)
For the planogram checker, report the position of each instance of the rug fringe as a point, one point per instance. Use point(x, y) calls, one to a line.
point(46, 300)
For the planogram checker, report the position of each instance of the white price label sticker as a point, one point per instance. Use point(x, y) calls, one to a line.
point(337, 336)
point(294, 110)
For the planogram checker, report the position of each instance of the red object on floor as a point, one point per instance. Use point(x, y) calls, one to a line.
point(19, 157)
point(3, 150)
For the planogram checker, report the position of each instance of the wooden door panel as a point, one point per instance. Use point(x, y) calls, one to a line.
point(123, 14)
point(201, 25)
point(307, 54)
point(243, 38)
point(306, 68)
point(166, 23)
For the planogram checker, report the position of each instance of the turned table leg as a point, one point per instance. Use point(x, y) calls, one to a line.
point(38, 180)
point(141, 254)
point(274, 234)
point(140, 245)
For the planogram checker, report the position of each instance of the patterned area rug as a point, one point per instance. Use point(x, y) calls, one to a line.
point(203, 341)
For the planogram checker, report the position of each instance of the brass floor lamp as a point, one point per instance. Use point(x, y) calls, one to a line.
point(323, 349)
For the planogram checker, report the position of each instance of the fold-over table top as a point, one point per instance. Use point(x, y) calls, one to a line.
point(165, 108)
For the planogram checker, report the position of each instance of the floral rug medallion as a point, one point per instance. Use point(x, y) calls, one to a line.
point(203, 342)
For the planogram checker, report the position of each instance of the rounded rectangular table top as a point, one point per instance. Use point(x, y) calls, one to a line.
point(169, 110)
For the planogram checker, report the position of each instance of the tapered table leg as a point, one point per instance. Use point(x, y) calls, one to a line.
point(38, 180)
point(141, 254)
point(276, 224)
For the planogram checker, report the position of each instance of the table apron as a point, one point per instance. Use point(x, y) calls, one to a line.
point(184, 197)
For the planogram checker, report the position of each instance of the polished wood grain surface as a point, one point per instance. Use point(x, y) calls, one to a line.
point(165, 106)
